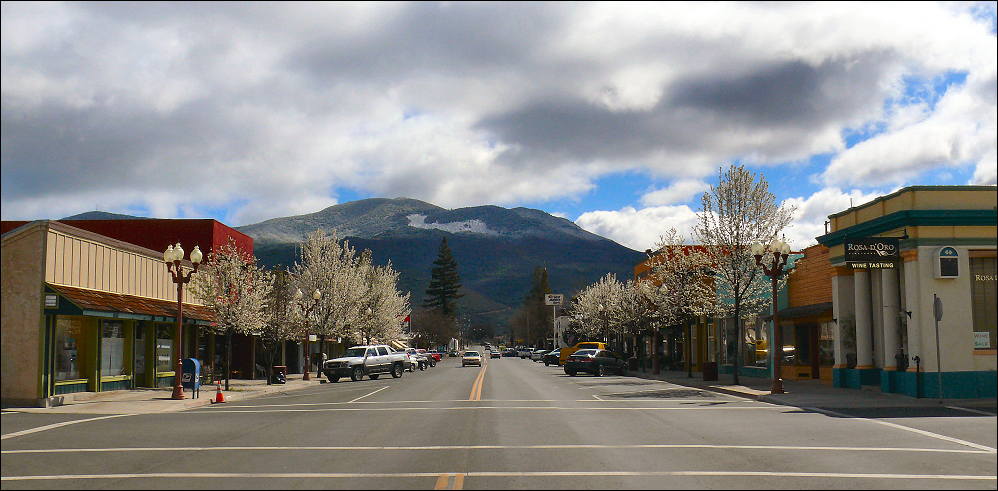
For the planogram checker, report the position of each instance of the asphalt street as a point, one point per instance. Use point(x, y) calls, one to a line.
point(509, 424)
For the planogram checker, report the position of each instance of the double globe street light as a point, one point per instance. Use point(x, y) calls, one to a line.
point(173, 256)
point(308, 307)
point(776, 258)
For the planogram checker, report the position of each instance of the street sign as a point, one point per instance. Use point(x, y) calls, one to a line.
point(937, 308)
point(554, 299)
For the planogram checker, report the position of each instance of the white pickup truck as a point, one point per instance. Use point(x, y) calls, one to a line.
point(365, 360)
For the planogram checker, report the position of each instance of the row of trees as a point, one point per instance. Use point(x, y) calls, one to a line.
point(359, 300)
point(717, 277)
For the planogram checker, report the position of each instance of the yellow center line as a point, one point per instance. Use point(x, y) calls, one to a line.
point(477, 387)
point(442, 481)
point(445, 478)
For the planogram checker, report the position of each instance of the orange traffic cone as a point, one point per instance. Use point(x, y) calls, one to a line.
point(218, 393)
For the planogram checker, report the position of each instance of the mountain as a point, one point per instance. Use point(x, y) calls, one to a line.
point(101, 215)
point(496, 248)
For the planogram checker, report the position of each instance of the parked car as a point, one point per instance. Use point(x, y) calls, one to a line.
point(432, 360)
point(510, 352)
point(595, 361)
point(453, 353)
point(551, 357)
point(419, 360)
point(471, 358)
point(582, 345)
point(523, 352)
point(437, 355)
point(495, 354)
point(538, 354)
point(365, 360)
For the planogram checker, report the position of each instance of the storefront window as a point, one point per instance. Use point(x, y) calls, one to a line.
point(164, 348)
point(112, 348)
point(983, 281)
point(826, 344)
point(68, 354)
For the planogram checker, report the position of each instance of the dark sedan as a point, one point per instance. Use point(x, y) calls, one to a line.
point(596, 362)
point(551, 358)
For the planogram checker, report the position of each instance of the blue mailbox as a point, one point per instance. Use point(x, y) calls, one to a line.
point(191, 376)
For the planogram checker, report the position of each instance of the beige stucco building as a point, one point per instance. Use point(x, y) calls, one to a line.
point(84, 312)
point(883, 310)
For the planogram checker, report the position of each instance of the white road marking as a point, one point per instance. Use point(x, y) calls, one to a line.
point(651, 446)
point(249, 409)
point(369, 394)
point(58, 425)
point(985, 413)
point(578, 473)
point(906, 428)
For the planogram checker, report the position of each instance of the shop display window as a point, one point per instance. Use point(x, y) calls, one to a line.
point(164, 348)
point(68, 350)
point(983, 281)
point(112, 356)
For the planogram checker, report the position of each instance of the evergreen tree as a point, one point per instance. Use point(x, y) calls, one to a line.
point(533, 323)
point(442, 294)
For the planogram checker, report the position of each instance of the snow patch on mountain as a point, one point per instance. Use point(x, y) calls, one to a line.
point(475, 226)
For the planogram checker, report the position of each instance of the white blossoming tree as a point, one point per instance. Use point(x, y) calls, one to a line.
point(736, 213)
point(679, 284)
point(282, 320)
point(235, 288)
point(596, 311)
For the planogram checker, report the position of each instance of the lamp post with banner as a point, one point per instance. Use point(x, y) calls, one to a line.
point(172, 257)
point(774, 269)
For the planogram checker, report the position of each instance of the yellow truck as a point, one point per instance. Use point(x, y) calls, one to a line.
point(566, 352)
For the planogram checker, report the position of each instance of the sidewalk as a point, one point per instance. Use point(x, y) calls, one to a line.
point(145, 401)
point(805, 393)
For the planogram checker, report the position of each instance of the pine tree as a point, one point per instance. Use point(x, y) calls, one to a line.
point(442, 294)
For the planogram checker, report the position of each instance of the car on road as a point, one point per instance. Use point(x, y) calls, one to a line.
point(419, 360)
point(510, 352)
point(432, 360)
point(495, 354)
point(579, 346)
point(471, 358)
point(538, 354)
point(551, 357)
point(595, 361)
point(358, 361)
point(453, 353)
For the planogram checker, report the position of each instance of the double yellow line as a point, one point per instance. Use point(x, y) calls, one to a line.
point(444, 480)
point(476, 390)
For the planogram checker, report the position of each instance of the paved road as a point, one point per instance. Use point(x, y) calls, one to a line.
point(510, 424)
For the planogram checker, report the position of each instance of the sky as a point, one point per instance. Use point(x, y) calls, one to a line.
point(618, 116)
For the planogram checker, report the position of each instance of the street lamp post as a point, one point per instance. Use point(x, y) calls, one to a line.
point(307, 307)
point(173, 256)
point(774, 269)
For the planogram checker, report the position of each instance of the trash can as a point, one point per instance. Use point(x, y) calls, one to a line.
point(710, 370)
point(190, 378)
point(632, 364)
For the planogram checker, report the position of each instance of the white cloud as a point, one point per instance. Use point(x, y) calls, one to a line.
point(677, 192)
point(639, 229)
point(812, 212)
point(275, 109)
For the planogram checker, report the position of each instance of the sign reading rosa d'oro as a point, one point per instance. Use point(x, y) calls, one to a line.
point(872, 252)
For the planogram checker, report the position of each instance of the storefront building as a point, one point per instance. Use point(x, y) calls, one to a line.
point(87, 313)
point(913, 292)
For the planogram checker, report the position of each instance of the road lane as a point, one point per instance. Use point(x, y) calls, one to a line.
point(530, 426)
